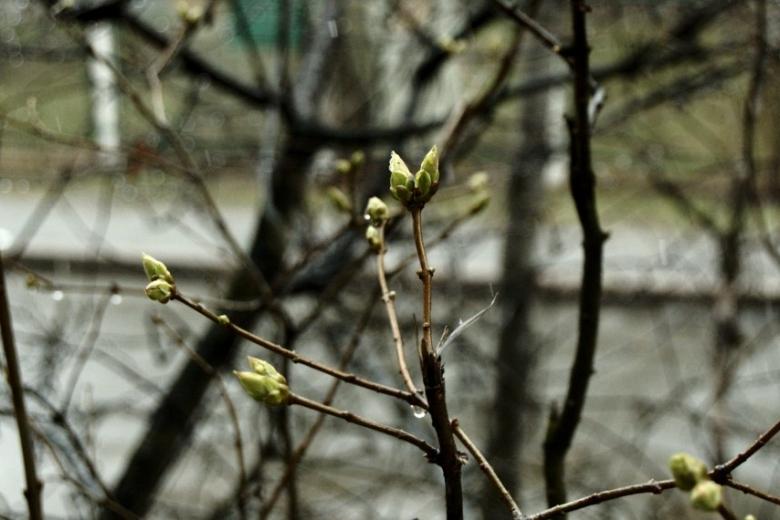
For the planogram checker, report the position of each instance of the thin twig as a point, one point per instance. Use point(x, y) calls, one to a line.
point(727, 468)
point(749, 490)
point(655, 487)
point(297, 358)
point(487, 469)
point(433, 377)
point(14, 376)
point(430, 451)
point(389, 298)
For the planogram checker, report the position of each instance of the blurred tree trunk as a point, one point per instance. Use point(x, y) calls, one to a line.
point(515, 357)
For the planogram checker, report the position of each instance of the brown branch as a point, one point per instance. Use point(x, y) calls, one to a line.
point(749, 490)
point(655, 487)
point(722, 470)
point(433, 377)
point(388, 297)
point(582, 185)
point(297, 358)
point(14, 376)
point(430, 451)
point(488, 470)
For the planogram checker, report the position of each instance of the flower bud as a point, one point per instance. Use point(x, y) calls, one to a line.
point(430, 164)
point(376, 211)
point(263, 388)
point(687, 470)
point(159, 291)
point(374, 238)
point(707, 496)
point(156, 270)
point(223, 319)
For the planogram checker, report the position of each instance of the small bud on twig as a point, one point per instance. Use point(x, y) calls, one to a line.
point(264, 383)
point(159, 291)
point(156, 270)
point(376, 211)
point(374, 238)
point(687, 470)
point(707, 496)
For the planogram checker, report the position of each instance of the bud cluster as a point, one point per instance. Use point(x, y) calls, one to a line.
point(414, 190)
point(162, 286)
point(690, 474)
point(376, 215)
point(264, 383)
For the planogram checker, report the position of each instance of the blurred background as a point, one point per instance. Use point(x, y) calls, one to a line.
point(238, 141)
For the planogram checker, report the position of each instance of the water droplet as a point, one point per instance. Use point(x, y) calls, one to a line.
point(116, 299)
point(57, 296)
point(418, 411)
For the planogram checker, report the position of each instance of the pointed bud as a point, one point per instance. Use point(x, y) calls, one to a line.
point(430, 164)
point(687, 470)
point(159, 291)
point(263, 388)
point(397, 165)
point(707, 496)
point(223, 319)
point(374, 238)
point(376, 211)
point(422, 185)
point(156, 270)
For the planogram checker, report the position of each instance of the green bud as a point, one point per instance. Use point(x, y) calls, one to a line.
point(707, 496)
point(422, 184)
point(397, 165)
point(343, 166)
point(430, 164)
point(358, 158)
point(159, 291)
point(687, 470)
point(264, 368)
point(339, 199)
point(223, 319)
point(398, 178)
point(156, 270)
point(374, 238)
point(263, 388)
point(401, 193)
point(376, 211)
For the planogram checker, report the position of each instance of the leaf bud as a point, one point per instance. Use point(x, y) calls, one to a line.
point(156, 270)
point(376, 211)
point(430, 164)
point(707, 496)
point(374, 238)
point(687, 470)
point(263, 388)
point(159, 291)
point(339, 199)
point(223, 319)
